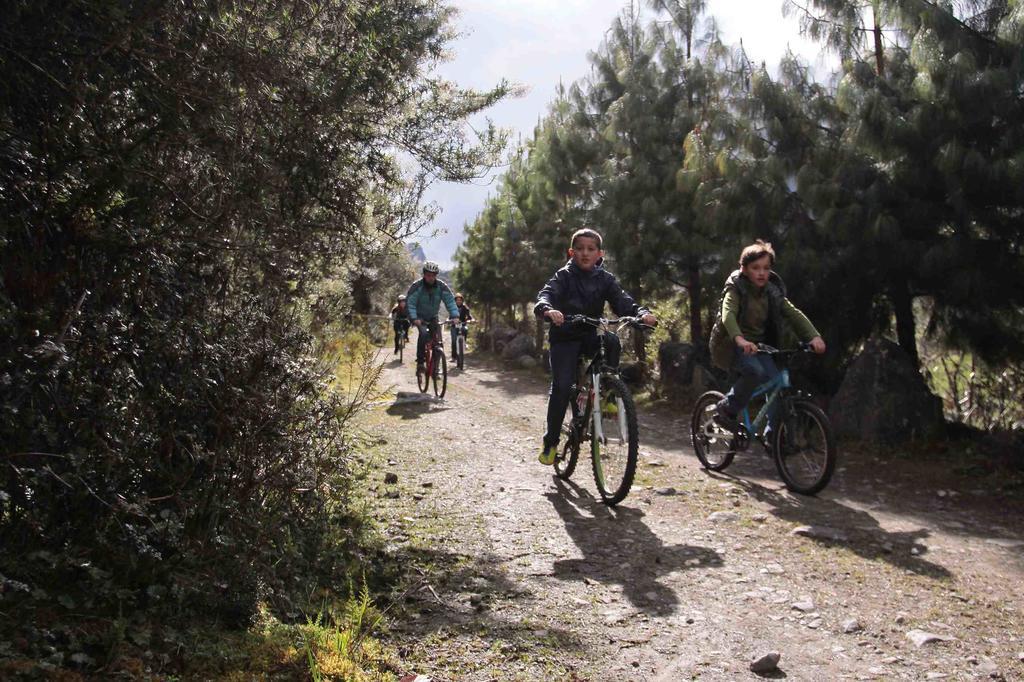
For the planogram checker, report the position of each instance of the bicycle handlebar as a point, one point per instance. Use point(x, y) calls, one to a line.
point(603, 321)
point(765, 349)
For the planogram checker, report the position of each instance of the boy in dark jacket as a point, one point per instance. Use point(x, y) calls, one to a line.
point(581, 287)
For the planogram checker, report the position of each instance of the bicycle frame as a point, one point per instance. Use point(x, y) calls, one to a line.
point(595, 369)
point(773, 389)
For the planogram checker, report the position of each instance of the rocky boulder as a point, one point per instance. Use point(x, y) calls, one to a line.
point(683, 372)
point(884, 398)
point(519, 346)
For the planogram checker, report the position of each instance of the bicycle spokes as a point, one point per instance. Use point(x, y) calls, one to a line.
point(804, 448)
point(614, 443)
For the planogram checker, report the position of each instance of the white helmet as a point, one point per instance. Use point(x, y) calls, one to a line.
point(431, 266)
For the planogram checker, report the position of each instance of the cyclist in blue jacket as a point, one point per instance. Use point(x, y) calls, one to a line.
point(424, 300)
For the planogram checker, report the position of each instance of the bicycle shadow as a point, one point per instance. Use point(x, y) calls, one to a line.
point(844, 526)
point(409, 405)
point(618, 547)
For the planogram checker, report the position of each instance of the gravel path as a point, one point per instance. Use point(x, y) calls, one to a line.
point(907, 572)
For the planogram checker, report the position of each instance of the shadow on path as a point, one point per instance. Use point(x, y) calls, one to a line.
point(618, 547)
point(847, 527)
point(409, 405)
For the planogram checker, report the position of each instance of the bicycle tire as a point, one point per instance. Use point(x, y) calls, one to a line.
point(401, 348)
point(462, 351)
point(565, 462)
point(423, 378)
point(713, 444)
point(804, 447)
point(615, 459)
point(440, 374)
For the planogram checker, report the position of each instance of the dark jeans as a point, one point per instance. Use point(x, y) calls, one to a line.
point(425, 329)
point(564, 356)
point(754, 370)
point(401, 327)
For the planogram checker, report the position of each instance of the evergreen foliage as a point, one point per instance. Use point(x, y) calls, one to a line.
point(178, 181)
point(895, 180)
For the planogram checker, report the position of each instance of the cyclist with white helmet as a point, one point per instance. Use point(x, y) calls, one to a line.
point(464, 316)
point(424, 300)
point(400, 319)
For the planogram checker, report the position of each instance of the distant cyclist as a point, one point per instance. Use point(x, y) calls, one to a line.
point(464, 316)
point(400, 320)
point(424, 300)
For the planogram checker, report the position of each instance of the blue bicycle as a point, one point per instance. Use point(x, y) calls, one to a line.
point(801, 439)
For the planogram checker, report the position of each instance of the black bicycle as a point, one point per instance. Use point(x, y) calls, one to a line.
point(801, 440)
point(435, 365)
point(603, 413)
point(460, 344)
point(401, 339)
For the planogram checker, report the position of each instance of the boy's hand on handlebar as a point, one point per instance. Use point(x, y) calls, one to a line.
point(417, 322)
point(818, 345)
point(650, 320)
point(748, 347)
point(556, 317)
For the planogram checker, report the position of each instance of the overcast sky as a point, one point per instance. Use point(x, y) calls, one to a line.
point(538, 43)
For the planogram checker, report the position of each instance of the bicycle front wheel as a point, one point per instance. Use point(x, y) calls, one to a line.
point(401, 347)
point(713, 444)
point(804, 447)
point(423, 378)
point(614, 443)
point(440, 374)
point(462, 351)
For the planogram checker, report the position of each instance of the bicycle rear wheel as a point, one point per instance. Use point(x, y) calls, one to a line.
point(440, 373)
point(565, 461)
point(804, 447)
point(713, 444)
point(614, 442)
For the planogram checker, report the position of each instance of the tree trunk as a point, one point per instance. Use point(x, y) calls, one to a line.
point(489, 327)
point(696, 329)
point(879, 54)
point(903, 307)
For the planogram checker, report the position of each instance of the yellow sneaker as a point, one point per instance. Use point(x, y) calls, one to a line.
point(609, 408)
point(548, 454)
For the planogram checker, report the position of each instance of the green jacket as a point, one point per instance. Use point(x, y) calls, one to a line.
point(783, 317)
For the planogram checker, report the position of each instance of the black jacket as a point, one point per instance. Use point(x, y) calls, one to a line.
point(574, 291)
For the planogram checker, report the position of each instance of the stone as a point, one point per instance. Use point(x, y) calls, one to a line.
point(884, 399)
point(765, 663)
point(676, 360)
point(520, 345)
point(820, 533)
point(805, 604)
point(390, 478)
point(852, 625)
point(920, 637)
point(665, 491)
point(723, 517)
point(526, 362)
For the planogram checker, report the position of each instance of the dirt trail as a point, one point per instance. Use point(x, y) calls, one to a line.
point(524, 577)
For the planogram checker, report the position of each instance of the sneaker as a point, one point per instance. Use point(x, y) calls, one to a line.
point(724, 419)
point(548, 453)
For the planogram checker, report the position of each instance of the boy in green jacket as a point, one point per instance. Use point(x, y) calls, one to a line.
point(754, 310)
